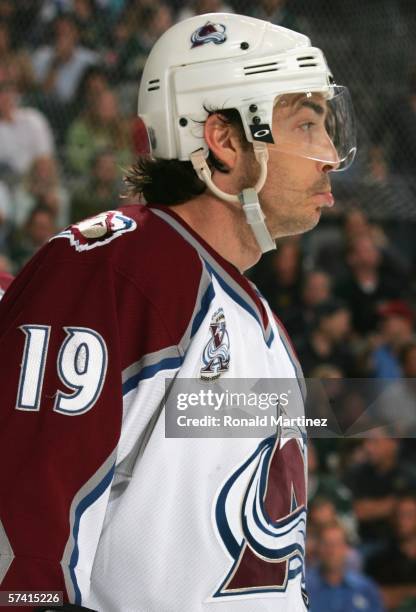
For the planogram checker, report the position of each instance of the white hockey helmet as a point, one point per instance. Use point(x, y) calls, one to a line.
point(222, 61)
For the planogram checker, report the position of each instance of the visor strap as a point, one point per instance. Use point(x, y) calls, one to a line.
point(256, 220)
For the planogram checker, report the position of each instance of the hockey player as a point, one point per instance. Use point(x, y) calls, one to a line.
point(245, 124)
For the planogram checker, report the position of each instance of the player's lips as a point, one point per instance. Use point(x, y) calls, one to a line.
point(324, 198)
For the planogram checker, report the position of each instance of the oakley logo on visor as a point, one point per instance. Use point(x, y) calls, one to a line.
point(210, 32)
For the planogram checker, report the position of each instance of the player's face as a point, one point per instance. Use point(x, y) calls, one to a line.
point(297, 188)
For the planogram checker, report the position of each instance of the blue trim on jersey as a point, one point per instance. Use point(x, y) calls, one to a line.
point(292, 573)
point(237, 298)
point(170, 363)
point(205, 304)
point(278, 554)
point(81, 508)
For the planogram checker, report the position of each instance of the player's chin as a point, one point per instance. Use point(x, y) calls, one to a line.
point(312, 219)
point(301, 225)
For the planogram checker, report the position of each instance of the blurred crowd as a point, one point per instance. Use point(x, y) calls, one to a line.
point(69, 74)
point(346, 294)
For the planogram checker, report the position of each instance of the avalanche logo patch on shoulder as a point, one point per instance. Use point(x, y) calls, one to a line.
point(216, 354)
point(98, 231)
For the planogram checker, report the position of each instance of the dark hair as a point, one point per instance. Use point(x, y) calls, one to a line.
point(69, 17)
point(38, 207)
point(170, 181)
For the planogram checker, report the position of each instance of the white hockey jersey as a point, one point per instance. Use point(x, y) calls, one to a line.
point(108, 509)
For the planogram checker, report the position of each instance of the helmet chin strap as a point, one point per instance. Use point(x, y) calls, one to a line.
point(248, 197)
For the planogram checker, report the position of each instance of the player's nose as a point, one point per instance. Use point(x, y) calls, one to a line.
point(333, 161)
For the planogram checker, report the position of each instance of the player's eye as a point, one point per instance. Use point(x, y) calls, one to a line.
point(305, 127)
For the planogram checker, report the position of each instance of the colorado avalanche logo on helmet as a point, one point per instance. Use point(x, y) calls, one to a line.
point(97, 231)
point(210, 32)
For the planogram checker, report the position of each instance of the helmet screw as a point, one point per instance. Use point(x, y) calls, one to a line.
point(183, 121)
point(244, 45)
point(256, 119)
point(252, 108)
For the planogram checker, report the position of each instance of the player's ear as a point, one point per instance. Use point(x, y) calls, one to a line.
point(223, 140)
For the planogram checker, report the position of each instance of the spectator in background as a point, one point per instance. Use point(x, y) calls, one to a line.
point(396, 330)
point(100, 127)
point(322, 512)
point(325, 343)
point(6, 206)
point(396, 125)
point(120, 53)
point(59, 68)
point(39, 228)
point(324, 489)
point(7, 9)
point(18, 58)
point(5, 280)
point(6, 213)
point(156, 20)
point(200, 7)
point(408, 360)
point(316, 289)
point(41, 185)
point(101, 192)
point(331, 586)
point(370, 280)
point(278, 12)
point(408, 364)
point(92, 23)
point(329, 248)
point(375, 484)
point(401, 393)
point(112, 7)
point(24, 132)
point(279, 277)
point(95, 81)
point(138, 29)
point(6, 266)
point(394, 568)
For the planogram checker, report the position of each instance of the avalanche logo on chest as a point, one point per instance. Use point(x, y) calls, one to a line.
point(260, 516)
point(216, 355)
point(97, 231)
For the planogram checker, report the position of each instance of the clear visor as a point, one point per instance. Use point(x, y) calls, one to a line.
point(316, 125)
